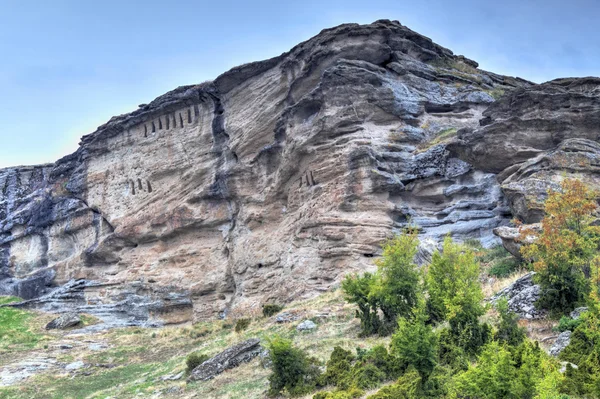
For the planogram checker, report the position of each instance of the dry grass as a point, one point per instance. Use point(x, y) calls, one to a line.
point(492, 285)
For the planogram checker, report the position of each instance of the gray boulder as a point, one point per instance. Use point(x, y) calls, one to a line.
point(64, 321)
point(306, 325)
point(561, 343)
point(228, 359)
point(575, 314)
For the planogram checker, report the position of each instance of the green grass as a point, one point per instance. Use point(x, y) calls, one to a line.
point(499, 262)
point(16, 329)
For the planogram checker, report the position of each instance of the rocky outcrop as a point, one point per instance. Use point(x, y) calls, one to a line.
point(228, 359)
point(514, 237)
point(64, 321)
point(521, 297)
point(562, 341)
point(280, 176)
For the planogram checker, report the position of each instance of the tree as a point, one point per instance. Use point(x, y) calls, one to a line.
point(398, 286)
point(394, 289)
point(453, 282)
point(564, 252)
point(455, 295)
point(357, 290)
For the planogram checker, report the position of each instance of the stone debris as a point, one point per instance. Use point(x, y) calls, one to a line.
point(286, 317)
point(228, 359)
point(75, 365)
point(521, 296)
point(562, 341)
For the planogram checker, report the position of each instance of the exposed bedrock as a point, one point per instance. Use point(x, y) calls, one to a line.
point(276, 179)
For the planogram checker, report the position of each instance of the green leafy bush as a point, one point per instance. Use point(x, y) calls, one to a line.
point(241, 325)
point(352, 393)
point(294, 373)
point(504, 267)
point(393, 290)
point(567, 324)
point(584, 351)
point(415, 344)
point(270, 309)
point(408, 386)
point(508, 331)
point(194, 360)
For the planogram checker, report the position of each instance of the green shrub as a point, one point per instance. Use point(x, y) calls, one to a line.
point(270, 309)
point(241, 325)
point(584, 351)
point(408, 386)
point(194, 360)
point(415, 344)
point(567, 324)
point(453, 282)
point(294, 373)
point(352, 393)
point(508, 330)
point(338, 368)
point(393, 290)
point(504, 267)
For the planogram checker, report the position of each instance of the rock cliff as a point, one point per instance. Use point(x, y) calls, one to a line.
point(278, 177)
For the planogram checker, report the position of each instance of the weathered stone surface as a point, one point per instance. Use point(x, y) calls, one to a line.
point(521, 296)
point(64, 321)
point(576, 313)
point(229, 358)
point(514, 237)
point(306, 325)
point(561, 343)
point(273, 181)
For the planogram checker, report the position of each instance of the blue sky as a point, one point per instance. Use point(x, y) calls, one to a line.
point(67, 66)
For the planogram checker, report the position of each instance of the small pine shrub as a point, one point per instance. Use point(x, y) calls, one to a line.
point(194, 360)
point(352, 393)
point(241, 325)
point(508, 330)
point(270, 309)
point(567, 324)
point(294, 373)
point(407, 387)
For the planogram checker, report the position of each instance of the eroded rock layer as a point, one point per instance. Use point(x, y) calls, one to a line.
point(280, 176)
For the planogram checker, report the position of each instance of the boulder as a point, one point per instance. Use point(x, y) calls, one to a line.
point(576, 313)
point(513, 238)
point(64, 321)
point(561, 343)
point(306, 325)
point(228, 359)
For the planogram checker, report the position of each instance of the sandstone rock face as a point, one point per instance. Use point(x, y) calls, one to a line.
point(276, 179)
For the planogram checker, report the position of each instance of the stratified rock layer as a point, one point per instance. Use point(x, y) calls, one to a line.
point(279, 177)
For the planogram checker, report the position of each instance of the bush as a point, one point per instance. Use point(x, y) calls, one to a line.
point(393, 290)
point(415, 344)
point(241, 325)
point(504, 267)
point(567, 324)
point(407, 387)
point(508, 331)
point(564, 250)
point(584, 351)
point(194, 360)
point(351, 393)
point(293, 371)
point(270, 309)
point(453, 282)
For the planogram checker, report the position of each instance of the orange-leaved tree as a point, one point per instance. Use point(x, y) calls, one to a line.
point(565, 252)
